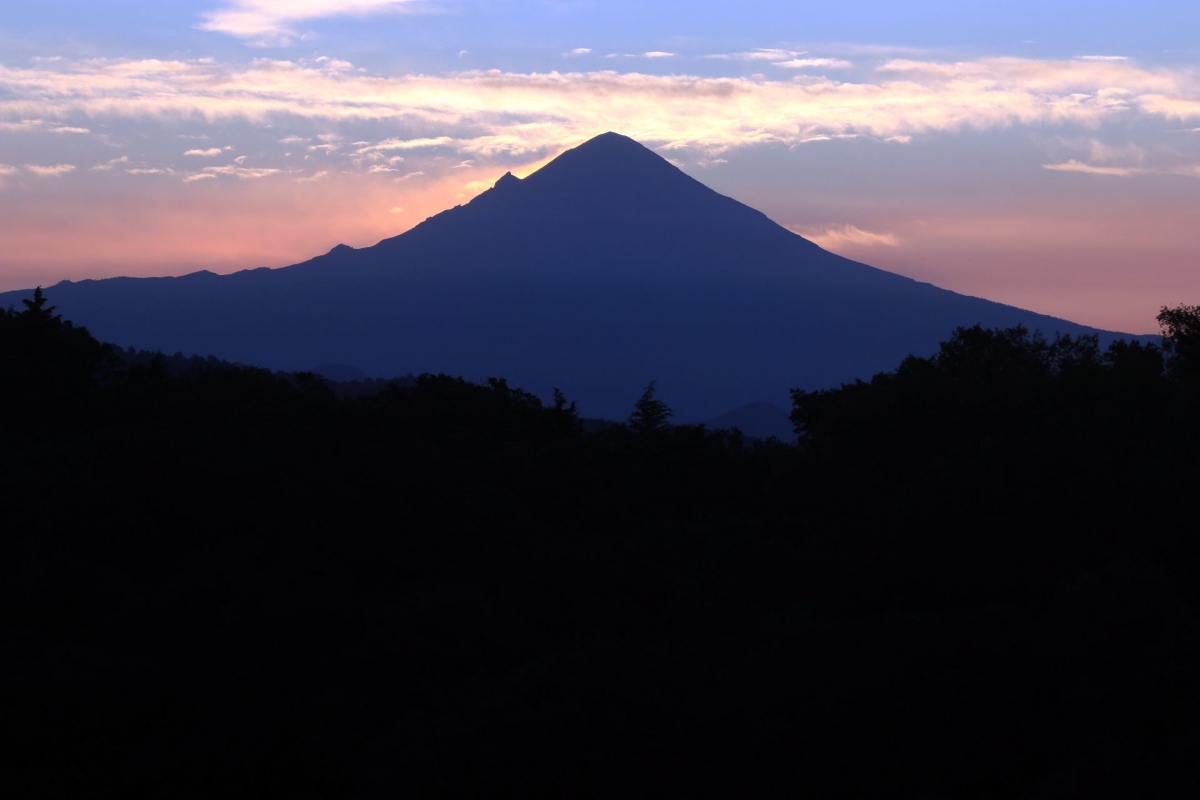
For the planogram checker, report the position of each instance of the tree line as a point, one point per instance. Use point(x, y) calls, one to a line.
point(971, 576)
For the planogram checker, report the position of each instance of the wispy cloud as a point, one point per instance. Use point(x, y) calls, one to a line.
point(788, 59)
point(54, 171)
point(39, 126)
point(1075, 165)
point(110, 164)
point(22, 126)
point(6, 169)
point(763, 54)
point(209, 153)
point(578, 51)
point(317, 176)
point(406, 144)
point(1104, 58)
point(535, 114)
point(650, 54)
point(835, 236)
point(807, 63)
point(239, 172)
point(271, 22)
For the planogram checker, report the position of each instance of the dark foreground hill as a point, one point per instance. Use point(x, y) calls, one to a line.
point(975, 577)
point(604, 270)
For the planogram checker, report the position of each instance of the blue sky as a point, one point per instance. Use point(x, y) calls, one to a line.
point(1041, 154)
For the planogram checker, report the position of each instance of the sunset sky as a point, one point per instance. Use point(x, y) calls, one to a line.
point(1045, 155)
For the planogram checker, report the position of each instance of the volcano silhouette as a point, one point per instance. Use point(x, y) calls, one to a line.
point(602, 271)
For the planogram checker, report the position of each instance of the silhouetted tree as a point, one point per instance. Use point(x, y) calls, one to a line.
point(567, 413)
point(49, 366)
point(36, 312)
point(649, 413)
point(1181, 341)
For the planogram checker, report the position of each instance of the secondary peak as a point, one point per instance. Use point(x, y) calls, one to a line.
point(506, 180)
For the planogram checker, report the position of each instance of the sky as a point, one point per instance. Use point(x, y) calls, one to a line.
point(1045, 155)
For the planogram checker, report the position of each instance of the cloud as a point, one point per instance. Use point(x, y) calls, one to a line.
point(789, 59)
point(5, 169)
point(313, 178)
point(1104, 58)
point(147, 171)
point(209, 153)
point(270, 22)
point(835, 236)
point(1078, 166)
point(108, 165)
point(335, 64)
point(578, 51)
point(40, 126)
point(406, 144)
point(55, 171)
point(533, 115)
point(241, 173)
point(650, 54)
point(396, 210)
point(762, 54)
point(22, 126)
point(806, 63)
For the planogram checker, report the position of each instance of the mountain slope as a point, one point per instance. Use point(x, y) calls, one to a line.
point(604, 270)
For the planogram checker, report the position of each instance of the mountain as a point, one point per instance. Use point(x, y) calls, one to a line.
point(604, 270)
point(760, 420)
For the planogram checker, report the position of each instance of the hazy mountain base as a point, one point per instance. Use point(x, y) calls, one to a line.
point(230, 584)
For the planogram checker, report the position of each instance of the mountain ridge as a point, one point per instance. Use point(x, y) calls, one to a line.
point(605, 269)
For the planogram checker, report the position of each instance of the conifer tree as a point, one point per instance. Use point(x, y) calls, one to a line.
point(649, 413)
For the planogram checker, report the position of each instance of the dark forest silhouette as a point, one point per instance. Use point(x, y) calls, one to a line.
point(974, 576)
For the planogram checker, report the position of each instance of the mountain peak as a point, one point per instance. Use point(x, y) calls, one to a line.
point(605, 159)
point(612, 175)
point(506, 180)
point(612, 141)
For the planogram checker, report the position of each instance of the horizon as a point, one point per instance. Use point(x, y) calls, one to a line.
point(1030, 156)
